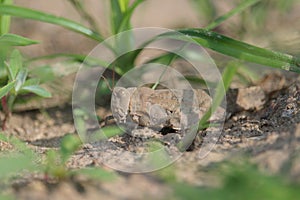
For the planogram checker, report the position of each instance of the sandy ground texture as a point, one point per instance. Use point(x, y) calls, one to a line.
point(268, 136)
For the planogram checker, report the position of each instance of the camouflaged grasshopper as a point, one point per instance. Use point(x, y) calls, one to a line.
point(161, 108)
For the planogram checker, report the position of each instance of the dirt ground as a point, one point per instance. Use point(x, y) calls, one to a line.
point(264, 129)
point(269, 137)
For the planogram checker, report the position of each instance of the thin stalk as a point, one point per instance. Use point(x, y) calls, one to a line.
point(80, 8)
point(221, 89)
point(240, 8)
point(6, 111)
point(174, 57)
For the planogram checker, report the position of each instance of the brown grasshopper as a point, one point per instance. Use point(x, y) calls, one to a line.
point(161, 108)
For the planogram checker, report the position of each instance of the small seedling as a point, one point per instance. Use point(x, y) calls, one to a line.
point(54, 165)
point(56, 160)
point(17, 82)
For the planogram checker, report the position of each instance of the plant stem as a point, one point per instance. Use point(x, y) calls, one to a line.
point(78, 5)
point(6, 111)
point(244, 5)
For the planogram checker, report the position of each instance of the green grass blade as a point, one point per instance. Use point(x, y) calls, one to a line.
point(81, 10)
point(88, 60)
point(249, 76)
point(116, 15)
point(125, 23)
point(220, 92)
point(5, 20)
point(15, 40)
point(238, 9)
point(40, 16)
point(124, 5)
point(6, 89)
point(240, 50)
point(121, 22)
point(165, 59)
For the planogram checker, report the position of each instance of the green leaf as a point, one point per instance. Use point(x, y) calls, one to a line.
point(79, 6)
point(238, 49)
point(69, 144)
point(103, 133)
point(36, 90)
point(32, 81)
point(124, 5)
point(6, 89)
point(15, 64)
point(125, 42)
point(88, 60)
point(125, 20)
point(54, 166)
point(21, 78)
point(227, 76)
point(18, 145)
point(165, 59)
point(236, 10)
point(111, 131)
point(97, 174)
point(116, 16)
point(5, 20)
point(14, 163)
point(15, 40)
point(41, 16)
point(220, 92)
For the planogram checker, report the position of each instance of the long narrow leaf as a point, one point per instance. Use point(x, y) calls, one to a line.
point(220, 92)
point(116, 15)
point(5, 20)
point(245, 4)
point(88, 60)
point(41, 16)
point(124, 5)
point(238, 49)
point(15, 40)
point(5, 90)
point(125, 23)
point(81, 10)
point(125, 42)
